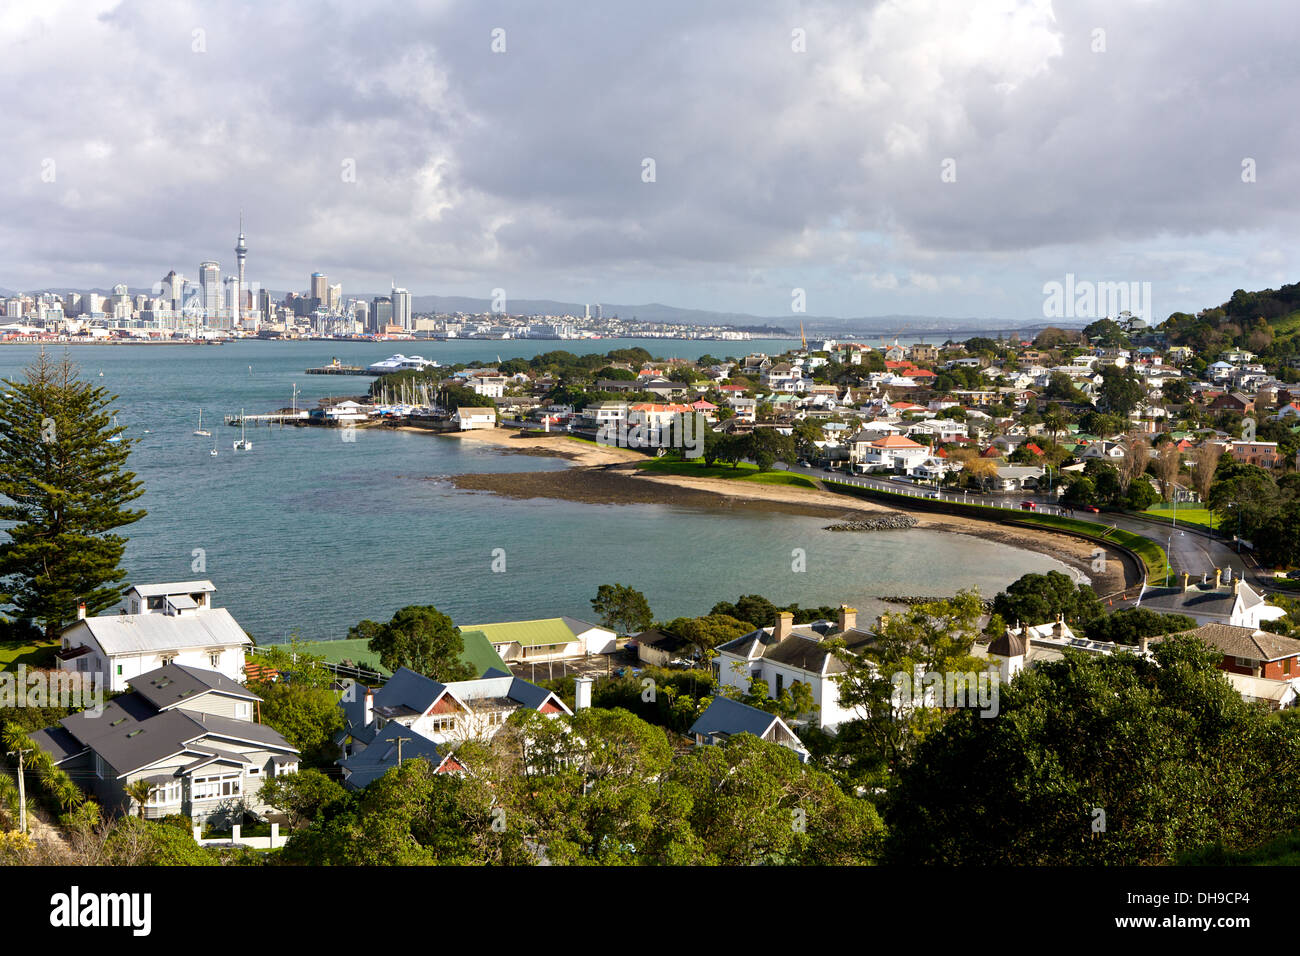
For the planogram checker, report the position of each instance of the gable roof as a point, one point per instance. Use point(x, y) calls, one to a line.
point(136, 633)
point(727, 716)
point(174, 685)
point(380, 756)
point(546, 631)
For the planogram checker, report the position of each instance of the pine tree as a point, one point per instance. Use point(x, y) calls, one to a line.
point(64, 486)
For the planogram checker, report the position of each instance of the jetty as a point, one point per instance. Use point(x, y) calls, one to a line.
point(275, 418)
point(338, 368)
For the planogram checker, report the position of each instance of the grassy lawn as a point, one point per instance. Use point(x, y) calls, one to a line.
point(1187, 514)
point(1283, 851)
point(13, 653)
point(742, 472)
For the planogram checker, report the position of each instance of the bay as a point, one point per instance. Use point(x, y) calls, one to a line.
point(310, 534)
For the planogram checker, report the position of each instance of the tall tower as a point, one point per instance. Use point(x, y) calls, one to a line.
point(241, 253)
point(210, 280)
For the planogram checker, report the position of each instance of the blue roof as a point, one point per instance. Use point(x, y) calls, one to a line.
point(381, 756)
point(406, 688)
point(727, 716)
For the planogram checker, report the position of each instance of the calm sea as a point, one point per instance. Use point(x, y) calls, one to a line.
point(312, 534)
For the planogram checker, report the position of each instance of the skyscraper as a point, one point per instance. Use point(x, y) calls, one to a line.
point(241, 253)
point(210, 279)
point(401, 308)
point(320, 290)
point(381, 314)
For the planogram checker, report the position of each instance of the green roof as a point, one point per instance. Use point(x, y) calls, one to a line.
point(479, 652)
point(551, 630)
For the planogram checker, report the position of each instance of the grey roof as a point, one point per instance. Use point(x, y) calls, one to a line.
point(805, 647)
point(727, 716)
point(173, 587)
point(577, 626)
point(58, 743)
point(370, 764)
point(1247, 642)
point(132, 733)
point(133, 633)
point(1197, 602)
point(175, 685)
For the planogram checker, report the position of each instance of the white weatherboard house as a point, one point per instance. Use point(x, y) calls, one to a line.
point(191, 733)
point(468, 419)
point(161, 624)
point(784, 655)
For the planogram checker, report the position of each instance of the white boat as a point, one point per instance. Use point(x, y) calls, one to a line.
point(115, 438)
point(401, 363)
point(201, 430)
point(214, 448)
point(243, 444)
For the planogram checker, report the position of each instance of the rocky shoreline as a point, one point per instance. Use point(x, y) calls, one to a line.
point(894, 521)
point(913, 600)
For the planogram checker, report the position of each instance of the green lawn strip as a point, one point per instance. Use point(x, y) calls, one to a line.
point(1282, 851)
point(742, 472)
point(1201, 517)
point(13, 653)
point(1152, 555)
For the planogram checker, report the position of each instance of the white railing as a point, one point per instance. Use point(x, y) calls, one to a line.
point(273, 842)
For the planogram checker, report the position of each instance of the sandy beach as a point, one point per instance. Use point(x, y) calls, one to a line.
point(607, 475)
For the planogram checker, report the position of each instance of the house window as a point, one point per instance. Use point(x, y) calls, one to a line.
point(1286, 665)
point(213, 788)
point(215, 659)
point(156, 603)
point(241, 710)
point(119, 670)
point(169, 792)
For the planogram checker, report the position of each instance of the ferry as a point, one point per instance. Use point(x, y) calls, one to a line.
point(401, 363)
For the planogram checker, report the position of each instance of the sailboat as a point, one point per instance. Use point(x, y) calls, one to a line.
point(243, 444)
point(201, 430)
point(115, 438)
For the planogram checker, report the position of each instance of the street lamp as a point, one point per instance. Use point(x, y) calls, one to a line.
point(1169, 549)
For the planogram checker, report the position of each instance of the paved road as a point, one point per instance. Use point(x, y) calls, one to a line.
point(1191, 549)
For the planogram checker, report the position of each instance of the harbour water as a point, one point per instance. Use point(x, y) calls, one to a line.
point(309, 533)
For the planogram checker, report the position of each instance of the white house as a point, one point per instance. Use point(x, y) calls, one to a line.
point(784, 655)
point(161, 624)
point(468, 419)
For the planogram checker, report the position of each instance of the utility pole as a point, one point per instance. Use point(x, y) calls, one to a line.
point(399, 740)
point(22, 789)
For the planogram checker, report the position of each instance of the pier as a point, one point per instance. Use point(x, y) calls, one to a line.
point(337, 368)
point(276, 418)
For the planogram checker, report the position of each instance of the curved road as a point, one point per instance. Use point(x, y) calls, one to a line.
point(1191, 549)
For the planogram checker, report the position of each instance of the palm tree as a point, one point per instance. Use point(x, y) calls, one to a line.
point(140, 792)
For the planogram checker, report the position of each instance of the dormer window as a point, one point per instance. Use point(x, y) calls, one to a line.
point(156, 603)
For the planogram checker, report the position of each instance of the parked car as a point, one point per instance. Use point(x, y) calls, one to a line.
point(630, 646)
point(1028, 506)
point(1093, 508)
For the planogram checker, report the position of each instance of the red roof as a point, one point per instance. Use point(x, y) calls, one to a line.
point(1034, 448)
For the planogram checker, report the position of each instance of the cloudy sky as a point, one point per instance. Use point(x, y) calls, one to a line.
point(917, 156)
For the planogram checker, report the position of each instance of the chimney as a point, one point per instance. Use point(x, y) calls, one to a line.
point(848, 618)
point(81, 611)
point(1236, 585)
point(784, 625)
point(368, 713)
point(1218, 578)
point(581, 693)
point(1143, 643)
